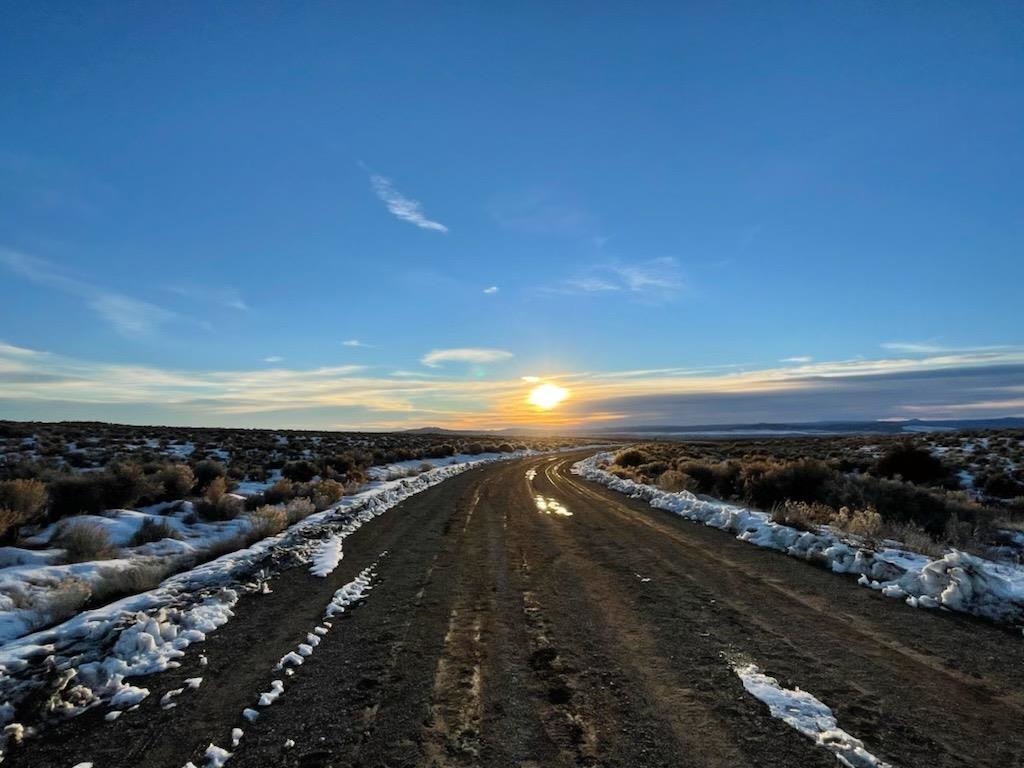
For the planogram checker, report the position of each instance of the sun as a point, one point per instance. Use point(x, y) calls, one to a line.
point(547, 396)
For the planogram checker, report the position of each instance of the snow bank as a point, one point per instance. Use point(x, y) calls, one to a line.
point(803, 712)
point(957, 581)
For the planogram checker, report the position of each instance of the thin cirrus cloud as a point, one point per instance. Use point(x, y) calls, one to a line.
point(402, 207)
point(356, 344)
point(932, 348)
point(800, 359)
point(224, 297)
point(490, 290)
point(477, 355)
point(658, 279)
point(129, 316)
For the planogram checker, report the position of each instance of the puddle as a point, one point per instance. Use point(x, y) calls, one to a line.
point(550, 506)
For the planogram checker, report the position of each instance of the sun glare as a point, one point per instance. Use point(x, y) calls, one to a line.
point(547, 396)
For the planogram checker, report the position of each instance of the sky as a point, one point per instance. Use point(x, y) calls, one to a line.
point(391, 215)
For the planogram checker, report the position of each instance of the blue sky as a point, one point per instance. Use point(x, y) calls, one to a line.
point(199, 205)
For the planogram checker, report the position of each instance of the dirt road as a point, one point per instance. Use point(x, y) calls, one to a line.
point(580, 628)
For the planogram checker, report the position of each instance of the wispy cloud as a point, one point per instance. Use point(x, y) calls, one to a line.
point(655, 279)
point(464, 355)
point(491, 289)
point(128, 316)
point(933, 348)
point(797, 359)
point(273, 359)
point(914, 347)
point(543, 212)
point(355, 343)
point(224, 297)
point(402, 207)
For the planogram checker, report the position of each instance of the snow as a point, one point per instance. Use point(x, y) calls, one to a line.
point(289, 658)
point(216, 757)
point(806, 714)
point(327, 556)
point(957, 581)
point(352, 592)
point(236, 736)
point(250, 714)
point(252, 487)
point(269, 697)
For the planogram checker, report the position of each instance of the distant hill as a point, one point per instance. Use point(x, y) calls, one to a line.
point(817, 427)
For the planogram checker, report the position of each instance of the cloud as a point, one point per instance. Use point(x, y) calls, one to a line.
point(128, 316)
point(543, 212)
point(355, 343)
point(46, 386)
point(273, 359)
point(657, 279)
point(225, 297)
point(913, 347)
point(491, 290)
point(797, 359)
point(402, 207)
point(464, 355)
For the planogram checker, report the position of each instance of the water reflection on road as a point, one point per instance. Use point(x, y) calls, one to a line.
point(550, 506)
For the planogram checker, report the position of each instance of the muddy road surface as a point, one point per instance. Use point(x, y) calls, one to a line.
point(520, 616)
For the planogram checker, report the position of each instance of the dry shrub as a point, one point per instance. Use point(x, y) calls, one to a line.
point(153, 530)
point(914, 538)
point(280, 492)
point(66, 599)
point(860, 522)
point(84, 541)
point(225, 546)
point(326, 493)
point(9, 521)
point(268, 520)
point(673, 480)
point(631, 457)
point(176, 481)
point(21, 502)
point(115, 583)
point(216, 490)
point(298, 509)
point(802, 515)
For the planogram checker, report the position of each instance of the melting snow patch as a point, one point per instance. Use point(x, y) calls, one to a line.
point(803, 712)
point(352, 592)
point(166, 701)
point(250, 714)
point(289, 658)
point(268, 698)
point(216, 757)
point(236, 736)
point(327, 556)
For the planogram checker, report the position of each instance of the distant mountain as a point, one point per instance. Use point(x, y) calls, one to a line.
point(817, 427)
